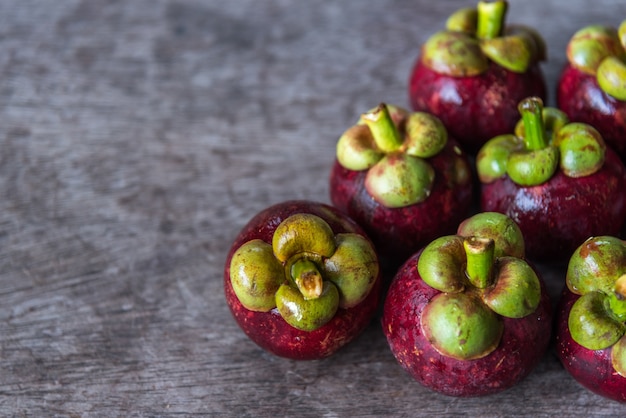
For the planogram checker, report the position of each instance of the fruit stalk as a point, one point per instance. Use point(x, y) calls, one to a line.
point(307, 278)
point(490, 19)
point(531, 111)
point(480, 257)
point(384, 131)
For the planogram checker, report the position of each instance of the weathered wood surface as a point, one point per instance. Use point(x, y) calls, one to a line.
point(136, 139)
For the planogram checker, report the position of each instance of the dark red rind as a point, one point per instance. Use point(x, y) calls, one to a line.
point(557, 216)
point(582, 100)
point(400, 232)
point(591, 368)
point(477, 108)
point(523, 343)
point(268, 329)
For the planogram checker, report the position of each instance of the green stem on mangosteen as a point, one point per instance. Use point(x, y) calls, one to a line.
point(490, 19)
point(617, 300)
point(531, 110)
point(480, 254)
point(384, 130)
point(307, 278)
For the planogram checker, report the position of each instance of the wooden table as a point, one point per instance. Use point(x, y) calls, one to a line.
point(137, 138)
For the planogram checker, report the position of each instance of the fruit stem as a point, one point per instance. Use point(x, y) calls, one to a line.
point(384, 131)
point(307, 278)
point(617, 301)
point(480, 257)
point(490, 19)
point(531, 110)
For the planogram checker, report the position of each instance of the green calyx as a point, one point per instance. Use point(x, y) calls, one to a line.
point(256, 275)
point(618, 356)
point(544, 141)
point(460, 326)
point(307, 273)
point(463, 20)
point(596, 264)
point(400, 180)
point(307, 314)
point(505, 233)
point(617, 309)
point(457, 54)
point(597, 272)
point(353, 268)
point(591, 324)
point(394, 146)
point(617, 298)
point(600, 51)
point(480, 282)
point(474, 36)
point(582, 149)
point(531, 168)
point(611, 77)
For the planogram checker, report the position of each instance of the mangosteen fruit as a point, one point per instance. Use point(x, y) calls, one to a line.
point(402, 178)
point(556, 179)
point(591, 317)
point(473, 74)
point(302, 280)
point(467, 315)
point(592, 86)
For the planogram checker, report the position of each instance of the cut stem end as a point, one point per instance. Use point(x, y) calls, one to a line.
point(307, 278)
point(531, 110)
point(491, 17)
point(384, 130)
point(480, 253)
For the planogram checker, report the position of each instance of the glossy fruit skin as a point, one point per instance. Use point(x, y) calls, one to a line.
point(523, 343)
point(477, 108)
point(591, 368)
point(555, 217)
point(399, 232)
point(268, 329)
point(582, 100)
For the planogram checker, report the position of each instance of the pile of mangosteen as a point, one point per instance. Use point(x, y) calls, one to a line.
point(440, 213)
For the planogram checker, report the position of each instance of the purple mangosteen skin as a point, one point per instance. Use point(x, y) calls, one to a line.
point(582, 100)
point(521, 348)
point(268, 329)
point(555, 217)
point(477, 108)
point(399, 232)
point(590, 368)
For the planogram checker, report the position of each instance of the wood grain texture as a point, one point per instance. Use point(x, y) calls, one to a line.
point(137, 138)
